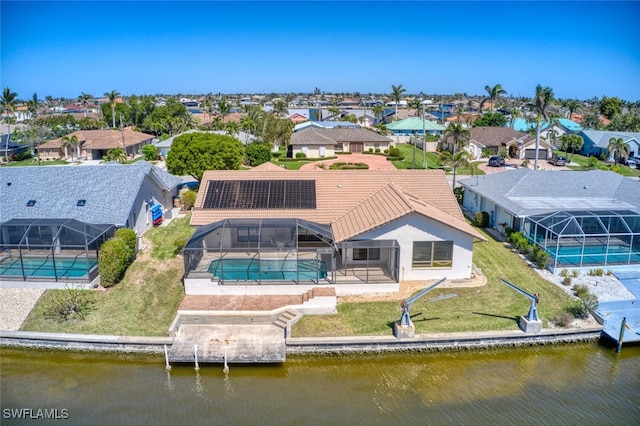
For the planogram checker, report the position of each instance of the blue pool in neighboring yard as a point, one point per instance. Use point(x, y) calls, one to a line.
point(268, 269)
point(46, 267)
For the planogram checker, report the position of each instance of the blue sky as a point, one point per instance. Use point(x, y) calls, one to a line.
point(580, 49)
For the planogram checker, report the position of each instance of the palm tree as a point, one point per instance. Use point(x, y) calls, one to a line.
point(572, 105)
point(378, 110)
point(540, 106)
point(459, 159)
point(117, 155)
point(223, 107)
point(280, 108)
point(460, 135)
point(33, 104)
point(493, 94)
point(618, 148)
point(247, 125)
point(112, 96)
point(85, 100)
point(396, 94)
point(416, 105)
point(232, 128)
point(71, 141)
point(8, 104)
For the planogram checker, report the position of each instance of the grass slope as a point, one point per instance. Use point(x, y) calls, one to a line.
point(143, 304)
point(493, 306)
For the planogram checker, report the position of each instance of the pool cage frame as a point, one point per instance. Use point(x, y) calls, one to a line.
point(269, 243)
point(52, 240)
point(578, 239)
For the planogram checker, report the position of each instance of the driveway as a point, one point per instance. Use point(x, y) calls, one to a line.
point(513, 163)
point(375, 162)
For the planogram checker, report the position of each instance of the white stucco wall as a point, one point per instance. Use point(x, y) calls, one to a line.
point(415, 227)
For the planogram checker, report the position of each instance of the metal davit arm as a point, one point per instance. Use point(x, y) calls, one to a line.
point(405, 319)
point(533, 310)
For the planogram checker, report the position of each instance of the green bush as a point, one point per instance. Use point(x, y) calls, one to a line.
point(188, 199)
point(482, 219)
point(509, 230)
point(458, 192)
point(112, 261)
point(395, 154)
point(575, 273)
point(301, 155)
point(179, 243)
point(564, 273)
point(566, 281)
point(580, 290)
point(68, 304)
point(150, 152)
point(539, 257)
point(377, 151)
point(130, 240)
point(258, 153)
point(583, 306)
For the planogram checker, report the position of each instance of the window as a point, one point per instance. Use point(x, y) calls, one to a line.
point(31, 203)
point(432, 254)
point(81, 203)
point(366, 254)
point(248, 233)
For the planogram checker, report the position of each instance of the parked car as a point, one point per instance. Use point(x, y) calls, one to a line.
point(558, 160)
point(496, 161)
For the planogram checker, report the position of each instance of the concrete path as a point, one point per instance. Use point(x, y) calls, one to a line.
point(375, 162)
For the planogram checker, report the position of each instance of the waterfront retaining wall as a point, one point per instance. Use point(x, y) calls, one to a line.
point(316, 345)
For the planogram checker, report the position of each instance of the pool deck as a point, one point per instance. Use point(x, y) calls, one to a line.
point(613, 313)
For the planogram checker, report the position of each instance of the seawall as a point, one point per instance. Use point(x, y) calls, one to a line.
point(310, 346)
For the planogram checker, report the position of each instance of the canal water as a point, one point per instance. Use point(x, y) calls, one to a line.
point(585, 384)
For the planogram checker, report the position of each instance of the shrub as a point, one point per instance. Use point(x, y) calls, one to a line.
point(112, 261)
point(563, 319)
point(581, 307)
point(509, 230)
point(301, 155)
point(564, 273)
point(179, 243)
point(130, 240)
point(370, 150)
point(188, 199)
point(377, 151)
point(258, 153)
point(482, 219)
point(70, 303)
point(458, 192)
point(580, 290)
point(150, 152)
point(575, 273)
point(539, 257)
point(566, 281)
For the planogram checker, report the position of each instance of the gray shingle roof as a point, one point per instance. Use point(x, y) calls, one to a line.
point(110, 191)
point(525, 192)
point(600, 138)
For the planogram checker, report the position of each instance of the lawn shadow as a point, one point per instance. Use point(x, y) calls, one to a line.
point(390, 324)
point(497, 316)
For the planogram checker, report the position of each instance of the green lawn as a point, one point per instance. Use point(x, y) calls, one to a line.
point(143, 304)
point(581, 161)
point(493, 306)
point(34, 162)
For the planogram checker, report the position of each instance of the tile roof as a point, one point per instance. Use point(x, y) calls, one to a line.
point(102, 139)
point(325, 125)
point(525, 192)
point(353, 200)
point(316, 136)
point(110, 191)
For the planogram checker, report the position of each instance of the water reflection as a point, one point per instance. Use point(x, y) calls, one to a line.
point(552, 384)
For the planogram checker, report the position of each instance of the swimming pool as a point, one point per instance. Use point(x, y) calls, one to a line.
point(268, 269)
point(45, 267)
point(594, 255)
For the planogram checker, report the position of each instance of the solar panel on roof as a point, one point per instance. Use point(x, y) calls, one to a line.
point(261, 194)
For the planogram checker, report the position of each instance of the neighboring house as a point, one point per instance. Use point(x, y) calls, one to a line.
point(297, 118)
point(362, 229)
point(320, 143)
point(54, 219)
point(14, 148)
point(582, 219)
point(325, 125)
point(596, 142)
point(94, 144)
point(518, 145)
point(116, 194)
point(414, 126)
point(526, 126)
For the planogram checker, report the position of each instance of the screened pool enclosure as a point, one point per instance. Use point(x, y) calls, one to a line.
point(51, 249)
point(594, 239)
point(284, 251)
